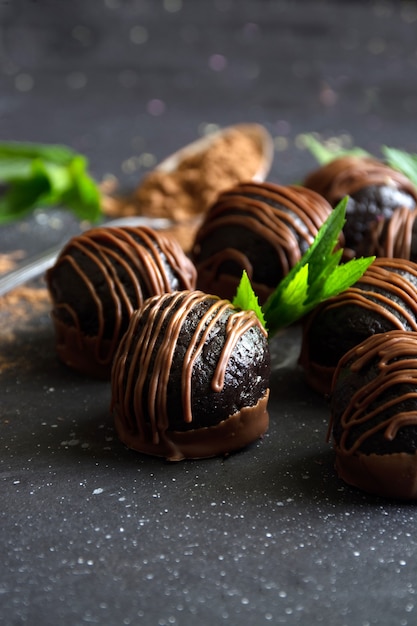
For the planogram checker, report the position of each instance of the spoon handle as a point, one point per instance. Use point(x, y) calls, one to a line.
point(32, 269)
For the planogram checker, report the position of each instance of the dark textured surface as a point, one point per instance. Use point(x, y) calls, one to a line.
point(93, 533)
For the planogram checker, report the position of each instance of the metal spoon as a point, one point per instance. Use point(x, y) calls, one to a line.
point(42, 261)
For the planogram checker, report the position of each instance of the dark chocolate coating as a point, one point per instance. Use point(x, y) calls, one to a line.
point(384, 299)
point(258, 227)
point(374, 415)
point(188, 362)
point(99, 279)
point(395, 236)
point(366, 208)
point(374, 385)
point(375, 192)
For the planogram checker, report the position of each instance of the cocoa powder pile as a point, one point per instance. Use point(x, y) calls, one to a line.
point(194, 186)
point(9, 261)
point(20, 314)
point(188, 191)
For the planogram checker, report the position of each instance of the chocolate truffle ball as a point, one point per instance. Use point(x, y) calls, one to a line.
point(258, 227)
point(384, 299)
point(395, 236)
point(374, 415)
point(99, 279)
point(375, 191)
point(191, 378)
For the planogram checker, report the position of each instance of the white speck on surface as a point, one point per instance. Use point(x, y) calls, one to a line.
point(24, 82)
point(217, 62)
point(76, 80)
point(172, 6)
point(156, 107)
point(82, 34)
point(138, 34)
point(128, 79)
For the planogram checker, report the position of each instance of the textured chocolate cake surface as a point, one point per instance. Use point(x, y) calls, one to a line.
point(191, 377)
point(258, 227)
point(375, 192)
point(384, 299)
point(374, 414)
point(99, 279)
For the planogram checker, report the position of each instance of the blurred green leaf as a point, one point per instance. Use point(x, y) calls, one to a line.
point(402, 161)
point(42, 175)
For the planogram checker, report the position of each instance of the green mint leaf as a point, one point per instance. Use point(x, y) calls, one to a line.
point(318, 257)
point(292, 296)
point(344, 276)
point(402, 161)
point(18, 200)
point(15, 150)
point(246, 298)
point(317, 276)
point(317, 283)
point(326, 152)
point(42, 175)
point(322, 254)
point(83, 198)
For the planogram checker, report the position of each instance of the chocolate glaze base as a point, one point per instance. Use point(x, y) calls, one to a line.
point(387, 475)
point(230, 435)
point(81, 352)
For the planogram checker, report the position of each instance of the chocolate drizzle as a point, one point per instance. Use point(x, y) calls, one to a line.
point(344, 176)
point(258, 227)
point(384, 299)
point(392, 358)
point(374, 413)
point(376, 191)
point(396, 236)
point(99, 279)
point(184, 366)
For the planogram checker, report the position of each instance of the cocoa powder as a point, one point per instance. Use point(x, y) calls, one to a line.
point(9, 261)
point(188, 191)
point(20, 311)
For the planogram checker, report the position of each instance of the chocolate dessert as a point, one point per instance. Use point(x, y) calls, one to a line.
point(374, 415)
point(375, 191)
point(395, 236)
point(191, 378)
point(258, 227)
point(99, 279)
point(384, 299)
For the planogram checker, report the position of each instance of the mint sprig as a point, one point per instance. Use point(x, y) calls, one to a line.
point(40, 175)
point(247, 300)
point(317, 276)
point(324, 153)
point(402, 161)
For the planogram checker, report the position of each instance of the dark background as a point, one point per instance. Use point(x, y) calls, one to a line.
point(88, 74)
point(90, 532)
